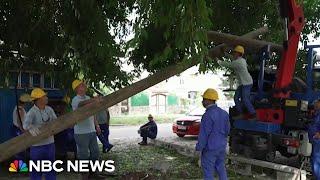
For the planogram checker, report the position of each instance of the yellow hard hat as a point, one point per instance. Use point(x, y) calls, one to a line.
point(210, 94)
point(76, 83)
point(25, 98)
point(239, 49)
point(66, 99)
point(37, 93)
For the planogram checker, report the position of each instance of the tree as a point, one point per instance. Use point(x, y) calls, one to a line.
point(74, 38)
point(87, 38)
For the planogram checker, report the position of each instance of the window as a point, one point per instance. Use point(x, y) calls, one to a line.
point(36, 80)
point(25, 80)
point(56, 82)
point(12, 79)
point(2, 80)
point(192, 94)
point(47, 82)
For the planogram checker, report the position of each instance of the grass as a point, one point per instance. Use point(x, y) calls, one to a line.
point(154, 161)
point(150, 162)
point(140, 119)
point(134, 162)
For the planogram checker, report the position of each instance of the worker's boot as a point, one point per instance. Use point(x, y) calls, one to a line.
point(110, 147)
point(143, 143)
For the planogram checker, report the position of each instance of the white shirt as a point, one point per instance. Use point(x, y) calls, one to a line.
point(38, 117)
point(86, 126)
point(15, 116)
point(240, 68)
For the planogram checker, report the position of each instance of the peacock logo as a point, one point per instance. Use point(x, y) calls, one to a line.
point(18, 166)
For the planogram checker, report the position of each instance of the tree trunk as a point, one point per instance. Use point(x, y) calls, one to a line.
point(22, 142)
point(248, 43)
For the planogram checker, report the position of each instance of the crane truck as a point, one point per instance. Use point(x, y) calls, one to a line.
point(283, 103)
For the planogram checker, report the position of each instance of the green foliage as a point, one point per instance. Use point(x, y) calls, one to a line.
point(87, 39)
point(140, 99)
point(73, 38)
point(167, 32)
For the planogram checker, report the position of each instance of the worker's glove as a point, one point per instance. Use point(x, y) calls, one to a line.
point(34, 131)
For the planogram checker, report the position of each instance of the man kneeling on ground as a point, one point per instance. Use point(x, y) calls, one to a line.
point(148, 130)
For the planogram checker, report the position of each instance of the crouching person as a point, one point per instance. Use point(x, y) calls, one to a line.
point(148, 130)
point(39, 115)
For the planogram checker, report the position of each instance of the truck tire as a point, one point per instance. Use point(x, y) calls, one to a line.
point(234, 144)
point(270, 156)
point(283, 151)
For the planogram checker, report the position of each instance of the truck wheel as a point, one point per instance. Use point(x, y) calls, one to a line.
point(283, 151)
point(235, 145)
point(271, 156)
point(181, 135)
point(248, 152)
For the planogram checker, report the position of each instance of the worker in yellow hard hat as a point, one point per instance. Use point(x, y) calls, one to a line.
point(212, 139)
point(18, 116)
point(245, 82)
point(39, 115)
point(85, 132)
point(64, 140)
point(19, 112)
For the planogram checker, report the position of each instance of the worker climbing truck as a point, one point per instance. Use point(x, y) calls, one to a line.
point(282, 102)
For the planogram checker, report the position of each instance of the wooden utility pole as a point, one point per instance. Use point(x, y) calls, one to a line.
point(22, 142)
point(248, 43)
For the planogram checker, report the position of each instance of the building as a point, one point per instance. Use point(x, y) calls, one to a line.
point(25, 82)
point(174, 96)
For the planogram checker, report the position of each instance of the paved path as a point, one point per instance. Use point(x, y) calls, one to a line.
point(121, 132)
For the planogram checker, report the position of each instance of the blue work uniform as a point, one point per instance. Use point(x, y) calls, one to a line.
point(45, 149)
point(212, 142)
point(313, 129)
point(242, 94)
point(150, 132)
point(103, 120)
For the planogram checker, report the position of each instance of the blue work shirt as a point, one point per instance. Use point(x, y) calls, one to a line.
point(152, 129)
point(314, 127)
point(214, 129)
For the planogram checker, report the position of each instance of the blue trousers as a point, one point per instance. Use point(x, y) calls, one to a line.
point(242, 97)
point(145, 134)
point(213, 161)
point(316, 159)
point(17, 132)
point(45, 152)
point(71, 145)
point(61, 142)
point(104, 136)
point(87, 146)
